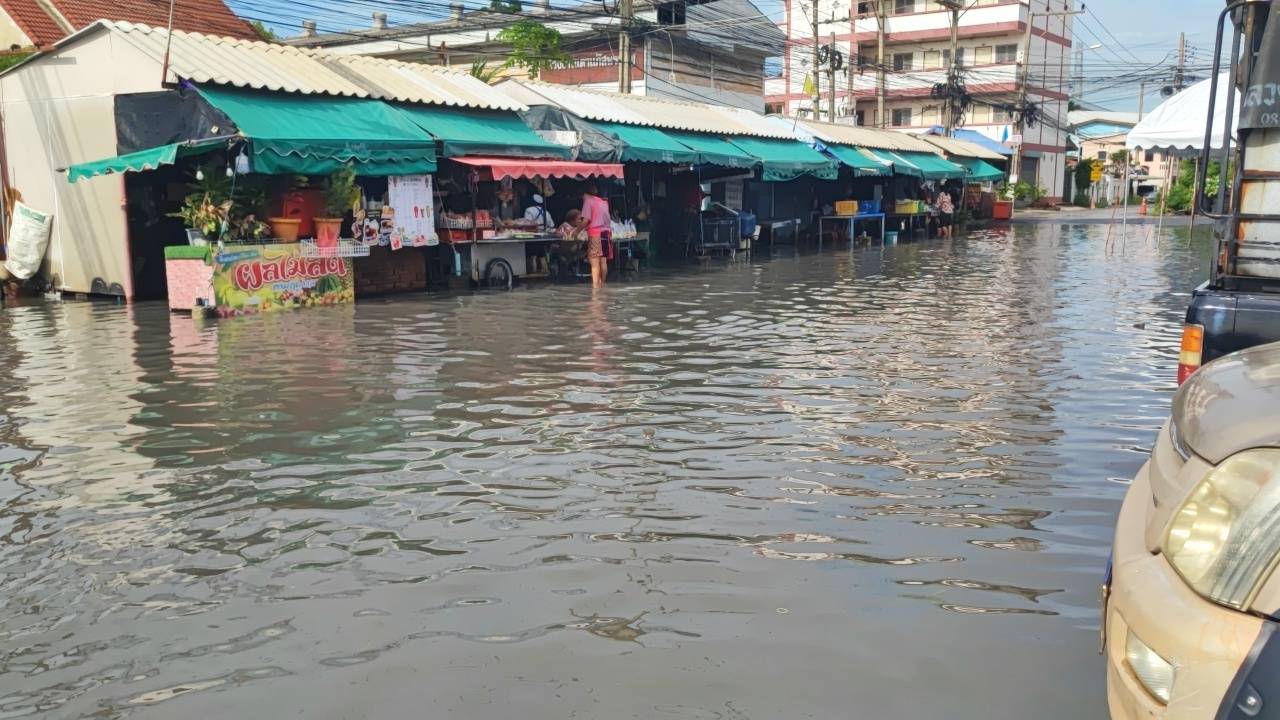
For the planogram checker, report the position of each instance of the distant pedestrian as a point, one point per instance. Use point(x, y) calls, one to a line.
point(946, 214)
point(595, 218)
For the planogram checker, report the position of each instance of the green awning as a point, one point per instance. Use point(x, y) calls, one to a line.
point(714, 150)
point(900, 165)
point(648, 144)
point(149, 159)
point(482, 132)
point(978, 170)
point(316, 134)
point(863, 164)
point(934, 166)
point(787, 159)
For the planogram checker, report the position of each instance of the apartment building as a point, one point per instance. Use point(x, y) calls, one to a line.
point(917, 53)
point(696, 50)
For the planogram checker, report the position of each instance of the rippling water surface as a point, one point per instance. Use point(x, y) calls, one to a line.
point(877, 484)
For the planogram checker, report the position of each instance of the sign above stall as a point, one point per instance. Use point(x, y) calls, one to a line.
point(250, 279)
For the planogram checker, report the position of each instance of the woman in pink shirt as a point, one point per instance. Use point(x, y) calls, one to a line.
point(595, 218)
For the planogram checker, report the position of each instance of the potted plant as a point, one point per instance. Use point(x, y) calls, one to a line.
point(340, 195)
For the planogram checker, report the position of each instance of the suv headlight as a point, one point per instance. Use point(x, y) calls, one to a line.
point(1225, 539)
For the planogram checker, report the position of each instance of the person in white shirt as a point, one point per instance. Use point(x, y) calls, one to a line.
point(537, 213)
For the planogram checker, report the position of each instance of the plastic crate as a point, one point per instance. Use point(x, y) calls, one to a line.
point(846, 207)
point(869, 207)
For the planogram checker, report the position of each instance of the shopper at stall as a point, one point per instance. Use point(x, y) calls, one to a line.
point(598, 224)
point(570, 229)
point(946, 213)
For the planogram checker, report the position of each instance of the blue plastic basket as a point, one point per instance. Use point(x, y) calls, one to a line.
point(868, 207)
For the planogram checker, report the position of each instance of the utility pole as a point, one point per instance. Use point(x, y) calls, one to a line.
point(1180, 73)
point(1142, 96)
point(626, 11)
point(831, 75)
point(817, 76)
point(881, 20)
point(1024, 75)
point(953, 72)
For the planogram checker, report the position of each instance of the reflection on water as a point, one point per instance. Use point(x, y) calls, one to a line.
point(353, 511)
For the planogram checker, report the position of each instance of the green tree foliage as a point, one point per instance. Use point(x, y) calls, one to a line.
point(534, 47)
point(484, 72)
point(8, 60)
point(1120, 157)
point(505, 6)
point(1183, 190)
point(263, 31)
point(1084, 175)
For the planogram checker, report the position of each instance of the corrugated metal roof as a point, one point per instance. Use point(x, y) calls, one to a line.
point(647, 111)
point(268, 66)
point(963, 148)
point(864, 137)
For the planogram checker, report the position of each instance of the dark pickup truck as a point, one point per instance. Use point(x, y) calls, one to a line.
point(1239, 306)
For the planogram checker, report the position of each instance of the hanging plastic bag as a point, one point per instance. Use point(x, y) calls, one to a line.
point(28, 240)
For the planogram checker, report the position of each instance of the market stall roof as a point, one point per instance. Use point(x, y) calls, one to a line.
point(896, 162)
point(863, 164)
point(647, 144)
point(961, 148)
point(857, 136)
point(933, 166)
point(787, 159)
point(148, 159)
point(639, 110)
point(1179, 122)
point(715, 150)
point(292, 133)
point(515, 168)
point(482, 132)
point(208, 59)
point(978, 170)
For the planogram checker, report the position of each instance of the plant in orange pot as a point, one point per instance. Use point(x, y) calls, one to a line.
point(341, 194)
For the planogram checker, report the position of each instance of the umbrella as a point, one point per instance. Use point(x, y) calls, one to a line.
point(1178, 123)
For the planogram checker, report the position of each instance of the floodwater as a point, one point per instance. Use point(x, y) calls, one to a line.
point(874, 484)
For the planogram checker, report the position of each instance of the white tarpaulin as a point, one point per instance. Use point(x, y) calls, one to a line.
point(1178, 122)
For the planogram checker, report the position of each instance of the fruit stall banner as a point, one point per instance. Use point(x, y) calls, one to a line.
point(263, 278)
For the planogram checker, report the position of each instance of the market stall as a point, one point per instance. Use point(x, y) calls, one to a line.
point(493, 245)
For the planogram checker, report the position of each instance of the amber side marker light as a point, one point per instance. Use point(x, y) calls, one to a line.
point(1190, 353)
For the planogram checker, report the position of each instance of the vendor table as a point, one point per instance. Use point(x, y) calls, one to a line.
point(916, 222)
point(625, 248)
point(853, 221)
point(719, 233)
point(773, 226)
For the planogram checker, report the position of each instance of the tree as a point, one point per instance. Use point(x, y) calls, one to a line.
point(1120, 157)
point(534, 47)
point(264, 32)
point(505, 6)
point(484, 72)
point(1084, 175)
point(8, 60)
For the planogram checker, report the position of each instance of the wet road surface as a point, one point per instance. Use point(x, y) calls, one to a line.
point(868, 484)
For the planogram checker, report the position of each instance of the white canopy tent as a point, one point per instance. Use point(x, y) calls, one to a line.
point(1178, 123)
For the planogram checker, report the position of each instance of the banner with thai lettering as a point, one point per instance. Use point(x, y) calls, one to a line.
point(250, 279)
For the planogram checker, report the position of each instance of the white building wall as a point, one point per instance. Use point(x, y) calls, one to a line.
point(59, 111)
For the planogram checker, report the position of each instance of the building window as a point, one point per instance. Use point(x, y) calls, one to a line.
point(902, 61)
point(932, 59)
point(867, 7)
point(860, 117)
point(1007, 53)
point(1102, 155)
point(946, 57)
point(773, 108)
point(929, 116)
point(903, 7)
point(1000, 115)
point(982, 55)
point(901, 117)
point(1150, 155)
point(980, 115)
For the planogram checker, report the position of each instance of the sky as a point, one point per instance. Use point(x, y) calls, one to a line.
point(1132, 36)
